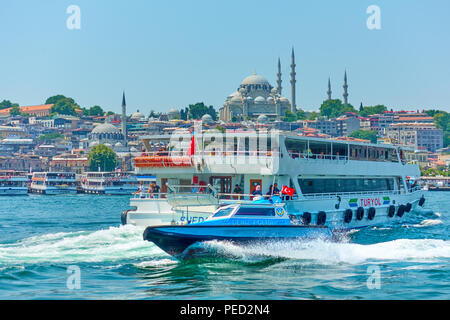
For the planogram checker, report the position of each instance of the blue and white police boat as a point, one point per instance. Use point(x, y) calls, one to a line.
point(259, 221)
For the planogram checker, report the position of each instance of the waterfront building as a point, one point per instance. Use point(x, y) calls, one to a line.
point(417, 135)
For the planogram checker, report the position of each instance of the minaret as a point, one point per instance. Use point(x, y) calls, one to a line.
point(345, 95)
point(279, 78)
point(124, 120)
point(293, 105)
point(329, 89)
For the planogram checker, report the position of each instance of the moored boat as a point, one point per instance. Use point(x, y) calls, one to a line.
point(239, 223)
point(53, 183)
point(109, 183)
point(13, 183)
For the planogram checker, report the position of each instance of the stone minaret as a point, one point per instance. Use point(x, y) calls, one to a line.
point(329, 89)
point(124, 119)
point(345, 95)
point(293, 105)
point(279, 77)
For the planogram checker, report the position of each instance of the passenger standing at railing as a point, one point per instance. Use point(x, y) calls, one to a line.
point(237, 190)
point(156, 189)
point(140, 190)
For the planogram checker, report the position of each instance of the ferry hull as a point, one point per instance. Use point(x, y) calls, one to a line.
point(13, 191)
point(176, 239)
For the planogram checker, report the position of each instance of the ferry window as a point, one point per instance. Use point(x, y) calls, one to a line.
point(223, 212)
point(309, 186)
point(249, 211)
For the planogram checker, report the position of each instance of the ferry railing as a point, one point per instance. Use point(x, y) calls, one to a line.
point(312, 156)
point(359, 193)
point(149, 195)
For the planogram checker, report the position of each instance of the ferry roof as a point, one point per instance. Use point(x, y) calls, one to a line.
point(287, 135)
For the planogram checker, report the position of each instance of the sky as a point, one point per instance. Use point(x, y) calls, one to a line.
point(169, 54)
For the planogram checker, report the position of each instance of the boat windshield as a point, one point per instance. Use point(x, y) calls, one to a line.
point(255, 211)
point(223, 212)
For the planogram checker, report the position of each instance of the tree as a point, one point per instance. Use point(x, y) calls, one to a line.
point(50, 136)
point(289, 116)
point(6, 104)
point(198, 110)
point(301, 115)
point(103, 157)
point(313, 116)
point(64, 106)
point(365, 135)
point(369, 110)
point(55, 99)
point(15, 111)
point(334, 108)
point(96, 111)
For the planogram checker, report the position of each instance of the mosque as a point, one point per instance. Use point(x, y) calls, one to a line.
point(257, 99)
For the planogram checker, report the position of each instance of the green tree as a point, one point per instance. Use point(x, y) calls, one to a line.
point(5, 104)
point(289, 116)
point(55, 99)
point(301, 115)
point(313, 115)
point(96, 111)
point(334, 108)
point(365, 134)
point(198, 110)
point(50, 136)
point(103, 157)
point(15, 111)
point(369, 110)
point(64, 106)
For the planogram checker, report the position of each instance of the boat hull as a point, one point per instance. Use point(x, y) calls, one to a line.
point(176, 239)
point(14, 191)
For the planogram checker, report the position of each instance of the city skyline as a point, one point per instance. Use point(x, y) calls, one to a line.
point(166, 58)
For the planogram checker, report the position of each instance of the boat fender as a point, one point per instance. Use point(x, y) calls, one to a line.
point(306, 218)
point(360, 213)
point(371, 213)
point(348, 215)
point(408, 207)
point(321, 218)
point(123, 217)
point(401, 210)
point(391, 211)
point(422, 201)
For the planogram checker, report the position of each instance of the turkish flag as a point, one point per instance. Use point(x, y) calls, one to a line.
point(288, 191)
point(191, 150)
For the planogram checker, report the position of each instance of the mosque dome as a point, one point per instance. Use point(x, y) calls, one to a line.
point(207, 119)
point(105, 128)
point(284, 99)
point(109, 145)
point(255, 79)
point(262, 119)
point(269, 99)
point(236, 98)
point(138, 115)
point(173, 110)
point(260, 100)
point(118, 145)
point(249, 99)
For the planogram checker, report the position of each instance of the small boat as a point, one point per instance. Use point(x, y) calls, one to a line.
point(241, 223)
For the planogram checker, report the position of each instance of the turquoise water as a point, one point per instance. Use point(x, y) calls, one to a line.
point(42, 236)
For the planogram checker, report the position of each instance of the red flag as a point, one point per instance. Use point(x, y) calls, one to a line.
point(191, 150)
point(288, 191)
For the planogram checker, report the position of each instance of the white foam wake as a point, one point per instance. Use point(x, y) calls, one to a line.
point(325, 252)
point(111, 244)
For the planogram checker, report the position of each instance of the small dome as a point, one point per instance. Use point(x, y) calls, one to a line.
point(138, 115)
point(133, 149)
point(118, 145)
point(109, 145)
point(284, 99)
point(262, 119)
point(260, 99)
point(270, 99)
point(106, 128)
point(173, 111)
point(255, 79)
point(236, 98)
point(233, 94)
point(274, 91)
point(207, 118)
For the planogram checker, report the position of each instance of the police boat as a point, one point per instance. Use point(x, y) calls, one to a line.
point(259, 221)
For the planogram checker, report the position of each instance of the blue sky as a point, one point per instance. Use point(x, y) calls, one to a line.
point(172, 53)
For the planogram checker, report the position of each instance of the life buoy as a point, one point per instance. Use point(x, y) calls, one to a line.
point(321, 218)
point(422, 201)
point(391, 211)
point(306, 218)
point(401, 210)
point(360, 213)
point(408, 207)
point(371, 213)
point(348, 215)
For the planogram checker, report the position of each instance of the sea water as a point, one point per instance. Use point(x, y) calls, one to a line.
point(43, 239)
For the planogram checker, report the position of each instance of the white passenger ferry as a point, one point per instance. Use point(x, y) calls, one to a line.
point(340, 184)
point(13, 183)
point(112, 183)
point(53, 183)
